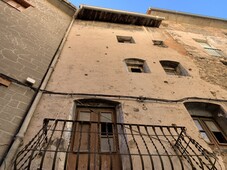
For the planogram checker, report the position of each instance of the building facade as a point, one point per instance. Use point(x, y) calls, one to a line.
point(133, 91)
point(30, 35)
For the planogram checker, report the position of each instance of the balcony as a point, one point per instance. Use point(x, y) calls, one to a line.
point(67, 144)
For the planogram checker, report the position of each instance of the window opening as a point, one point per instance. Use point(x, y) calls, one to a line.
point(125, 39)
point(207, 47)
point(134, 69)
point(18, 4)
point(137, 66)
point(173, 68)
point(159, 43)
point(210, 124)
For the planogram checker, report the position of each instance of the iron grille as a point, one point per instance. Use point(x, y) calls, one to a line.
point(67, 144)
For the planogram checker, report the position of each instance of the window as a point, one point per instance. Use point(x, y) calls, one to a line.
point(125, 39)
point(210, 121)
point(107, 136)
point(210, 50)
point(209, 129)
point(173, 68)
point(159, 43)
point(136, 65)
point(18, 4)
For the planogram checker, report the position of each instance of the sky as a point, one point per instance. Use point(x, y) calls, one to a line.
point(212, 8)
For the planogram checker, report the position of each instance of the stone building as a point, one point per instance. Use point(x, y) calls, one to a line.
point(128, 91)
point(30, 35)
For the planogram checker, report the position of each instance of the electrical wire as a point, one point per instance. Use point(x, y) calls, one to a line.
point(138, 98)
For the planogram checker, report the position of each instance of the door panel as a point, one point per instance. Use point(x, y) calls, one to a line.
point(94, 140)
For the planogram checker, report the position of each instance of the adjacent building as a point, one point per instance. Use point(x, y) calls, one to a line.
point(30, 35)
point(128, 91)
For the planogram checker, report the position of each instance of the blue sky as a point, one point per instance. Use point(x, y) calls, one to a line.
point(213, 8)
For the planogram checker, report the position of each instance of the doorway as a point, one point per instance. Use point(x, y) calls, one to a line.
point(94, 141)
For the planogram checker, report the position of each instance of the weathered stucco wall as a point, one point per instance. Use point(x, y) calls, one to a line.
point(211, 68)
point(29, 40)
point(90, 70)
point(92, 61)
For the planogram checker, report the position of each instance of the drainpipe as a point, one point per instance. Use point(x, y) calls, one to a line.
point(8, 161)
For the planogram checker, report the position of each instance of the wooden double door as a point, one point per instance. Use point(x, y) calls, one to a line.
point(94, 140)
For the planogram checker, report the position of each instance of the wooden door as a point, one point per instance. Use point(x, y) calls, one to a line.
point(95, 140)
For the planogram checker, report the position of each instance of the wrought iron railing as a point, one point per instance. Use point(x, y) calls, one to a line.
point(67, 144)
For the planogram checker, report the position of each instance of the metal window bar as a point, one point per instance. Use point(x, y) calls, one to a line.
point(137, 146)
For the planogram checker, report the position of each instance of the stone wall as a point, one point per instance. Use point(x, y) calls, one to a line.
point(212, 69)
point(29, 40)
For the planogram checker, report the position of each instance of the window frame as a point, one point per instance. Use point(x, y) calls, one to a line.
point(209, 133)
point(110, 136)
point(178, 69)
point(159, 43)
point(209, 47)
point(125, 39)
point(135, 63)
